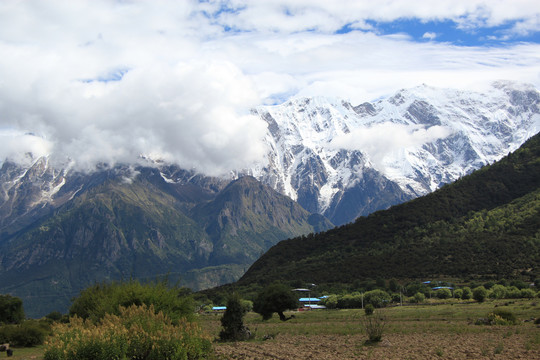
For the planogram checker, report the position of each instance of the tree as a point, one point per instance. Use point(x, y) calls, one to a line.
point(467, 293)
point(276, 298)
point(11, 309)
point(443, 293)
point(233, 320)
point(479, 293)
point(377, 298)
point(497, 292)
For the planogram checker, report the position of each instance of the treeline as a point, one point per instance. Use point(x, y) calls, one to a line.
point(420, 293)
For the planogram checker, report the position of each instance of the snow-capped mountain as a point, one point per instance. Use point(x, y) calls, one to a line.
point(335, 158)
point(344, 161)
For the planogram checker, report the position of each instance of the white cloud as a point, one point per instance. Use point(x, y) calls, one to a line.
point(183, 85)
point(429, 36)
point(22, 148)
point(384, 139)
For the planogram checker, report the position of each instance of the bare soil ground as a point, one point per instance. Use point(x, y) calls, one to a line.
point(493, 345)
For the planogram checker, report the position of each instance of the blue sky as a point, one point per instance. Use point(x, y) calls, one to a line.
point(107, 81)
point(448, 31)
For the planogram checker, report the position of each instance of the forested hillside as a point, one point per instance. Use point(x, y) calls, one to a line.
point(485, 225)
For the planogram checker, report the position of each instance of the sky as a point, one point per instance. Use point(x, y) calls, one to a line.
point(113, 81)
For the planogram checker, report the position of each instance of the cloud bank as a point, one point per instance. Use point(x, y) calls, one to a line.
point(111, 81)
point(384, 139)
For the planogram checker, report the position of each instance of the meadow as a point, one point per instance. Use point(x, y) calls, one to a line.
point(438, 330)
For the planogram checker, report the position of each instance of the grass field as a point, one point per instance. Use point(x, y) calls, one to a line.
point(431, 331)
point(442, 331)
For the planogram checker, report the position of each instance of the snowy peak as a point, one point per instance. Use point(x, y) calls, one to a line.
point(418, 139)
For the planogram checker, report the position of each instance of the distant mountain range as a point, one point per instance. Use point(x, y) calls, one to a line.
point(328, 163)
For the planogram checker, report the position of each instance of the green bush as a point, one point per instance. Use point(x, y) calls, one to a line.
point(467, 293)
point(498, 317)
point(369, 309)
point(443, 293)
point(419, 297)
point(377, 298)
point(458, 293)
point(513, 292)
point(96, 301)
point(26, 334)
point(497, 292)
point(138, 332)
point(527, 293)
point(247, 305)
point(331, 302)
point(479, 293)
point(505, 314)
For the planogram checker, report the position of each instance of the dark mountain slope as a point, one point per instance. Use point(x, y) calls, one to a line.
point(247, 207)
point(487, 224)
point(142, 226)
point(111, 232)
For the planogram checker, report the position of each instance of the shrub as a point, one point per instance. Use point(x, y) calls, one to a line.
point(138, 332)
point(458, 293)
point(513, 292)
point(507, 315)
point(443, 293)
point(331, 302)
point(419, 297)
point(497, 292)
point(467, 293)
point(96, 301)
point(369, 309)
point(479, 293)
point(26, 334)
point(54, 316)
point(527, 293)
point(377, 298)
point(247, 305)
point(374, 326)
point(498, 317)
